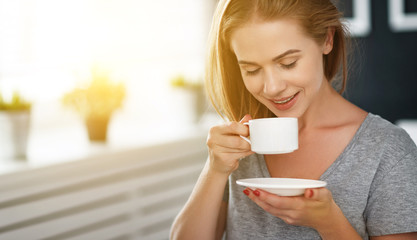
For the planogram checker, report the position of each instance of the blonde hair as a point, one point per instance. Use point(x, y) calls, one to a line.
point(224, 82)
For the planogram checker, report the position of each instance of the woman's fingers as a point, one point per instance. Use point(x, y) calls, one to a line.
point(232, 156)
point(233, 144)
point(254, 196)
point(311, 196)
point(246, 118)
point(306, 210)
point(318, 194)
point(234, 128)
point(279, 202)
point(227, 136)
point(285, 208)
point(226, 146)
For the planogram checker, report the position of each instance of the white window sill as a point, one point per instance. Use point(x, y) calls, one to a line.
point(60, 145)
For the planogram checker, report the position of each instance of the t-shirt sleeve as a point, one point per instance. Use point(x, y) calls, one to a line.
point(392, 206)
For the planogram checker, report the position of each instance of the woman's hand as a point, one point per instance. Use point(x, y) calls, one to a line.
point(316, 208)
point(226, 146)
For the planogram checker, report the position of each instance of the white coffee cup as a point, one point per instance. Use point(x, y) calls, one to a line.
point(273, 135)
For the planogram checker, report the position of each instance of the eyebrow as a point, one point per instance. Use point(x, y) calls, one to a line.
point(288, 52)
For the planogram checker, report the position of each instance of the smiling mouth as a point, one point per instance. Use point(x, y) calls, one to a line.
point(286, 100)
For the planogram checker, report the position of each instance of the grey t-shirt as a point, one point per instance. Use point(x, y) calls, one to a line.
point(374, 182)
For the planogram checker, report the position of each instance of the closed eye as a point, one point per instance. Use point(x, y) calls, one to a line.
point(251, 73)
point(289, 66)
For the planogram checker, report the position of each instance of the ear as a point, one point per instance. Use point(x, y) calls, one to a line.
point(328, 44)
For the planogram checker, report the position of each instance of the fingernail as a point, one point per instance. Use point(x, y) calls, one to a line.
point(246, 191)
point(257, 193)
point(311, 193)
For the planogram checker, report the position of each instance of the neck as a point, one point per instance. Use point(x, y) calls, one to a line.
point(323, 109)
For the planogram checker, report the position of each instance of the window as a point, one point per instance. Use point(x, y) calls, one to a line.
point(48, 46)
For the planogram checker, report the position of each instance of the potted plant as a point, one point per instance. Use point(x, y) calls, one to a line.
point(96, 103)
point(14, 126)
point(196, 91)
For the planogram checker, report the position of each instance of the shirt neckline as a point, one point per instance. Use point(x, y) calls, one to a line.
point(339, 159)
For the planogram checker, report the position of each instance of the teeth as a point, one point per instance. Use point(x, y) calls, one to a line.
point(286, 100)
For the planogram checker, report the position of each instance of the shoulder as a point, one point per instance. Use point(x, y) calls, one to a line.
point(377, 132)
point(394, 184)
point(384, 144)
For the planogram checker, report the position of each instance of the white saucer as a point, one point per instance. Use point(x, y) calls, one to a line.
point(281, 186)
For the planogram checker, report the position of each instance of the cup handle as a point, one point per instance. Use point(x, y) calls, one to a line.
point(245, 138)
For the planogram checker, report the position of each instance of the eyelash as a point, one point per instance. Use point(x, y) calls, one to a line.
point(288, 66)
point(251, 73)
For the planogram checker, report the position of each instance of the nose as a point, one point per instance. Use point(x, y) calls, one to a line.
point(273, 83)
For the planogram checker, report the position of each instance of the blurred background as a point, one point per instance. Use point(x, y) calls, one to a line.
point(383, 76)
point(155, 49)
point(103, 119)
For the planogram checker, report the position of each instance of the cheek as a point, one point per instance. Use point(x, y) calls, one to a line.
point(310, 75)
point(253, 84)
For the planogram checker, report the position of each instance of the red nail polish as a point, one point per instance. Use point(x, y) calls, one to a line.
point(257, 193)
point(246, 191)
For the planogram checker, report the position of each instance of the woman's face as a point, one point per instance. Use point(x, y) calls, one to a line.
point(280, 66)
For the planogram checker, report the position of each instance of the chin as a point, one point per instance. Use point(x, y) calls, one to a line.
point(295, 112)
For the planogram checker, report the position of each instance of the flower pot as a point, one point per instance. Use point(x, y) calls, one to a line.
point(190, 104)
point(97, 128)
point(14, 132)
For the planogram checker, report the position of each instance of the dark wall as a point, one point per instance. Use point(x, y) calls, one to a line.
point(384, 75)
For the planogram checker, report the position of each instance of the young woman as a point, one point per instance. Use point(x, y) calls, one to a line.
point(278, 58)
